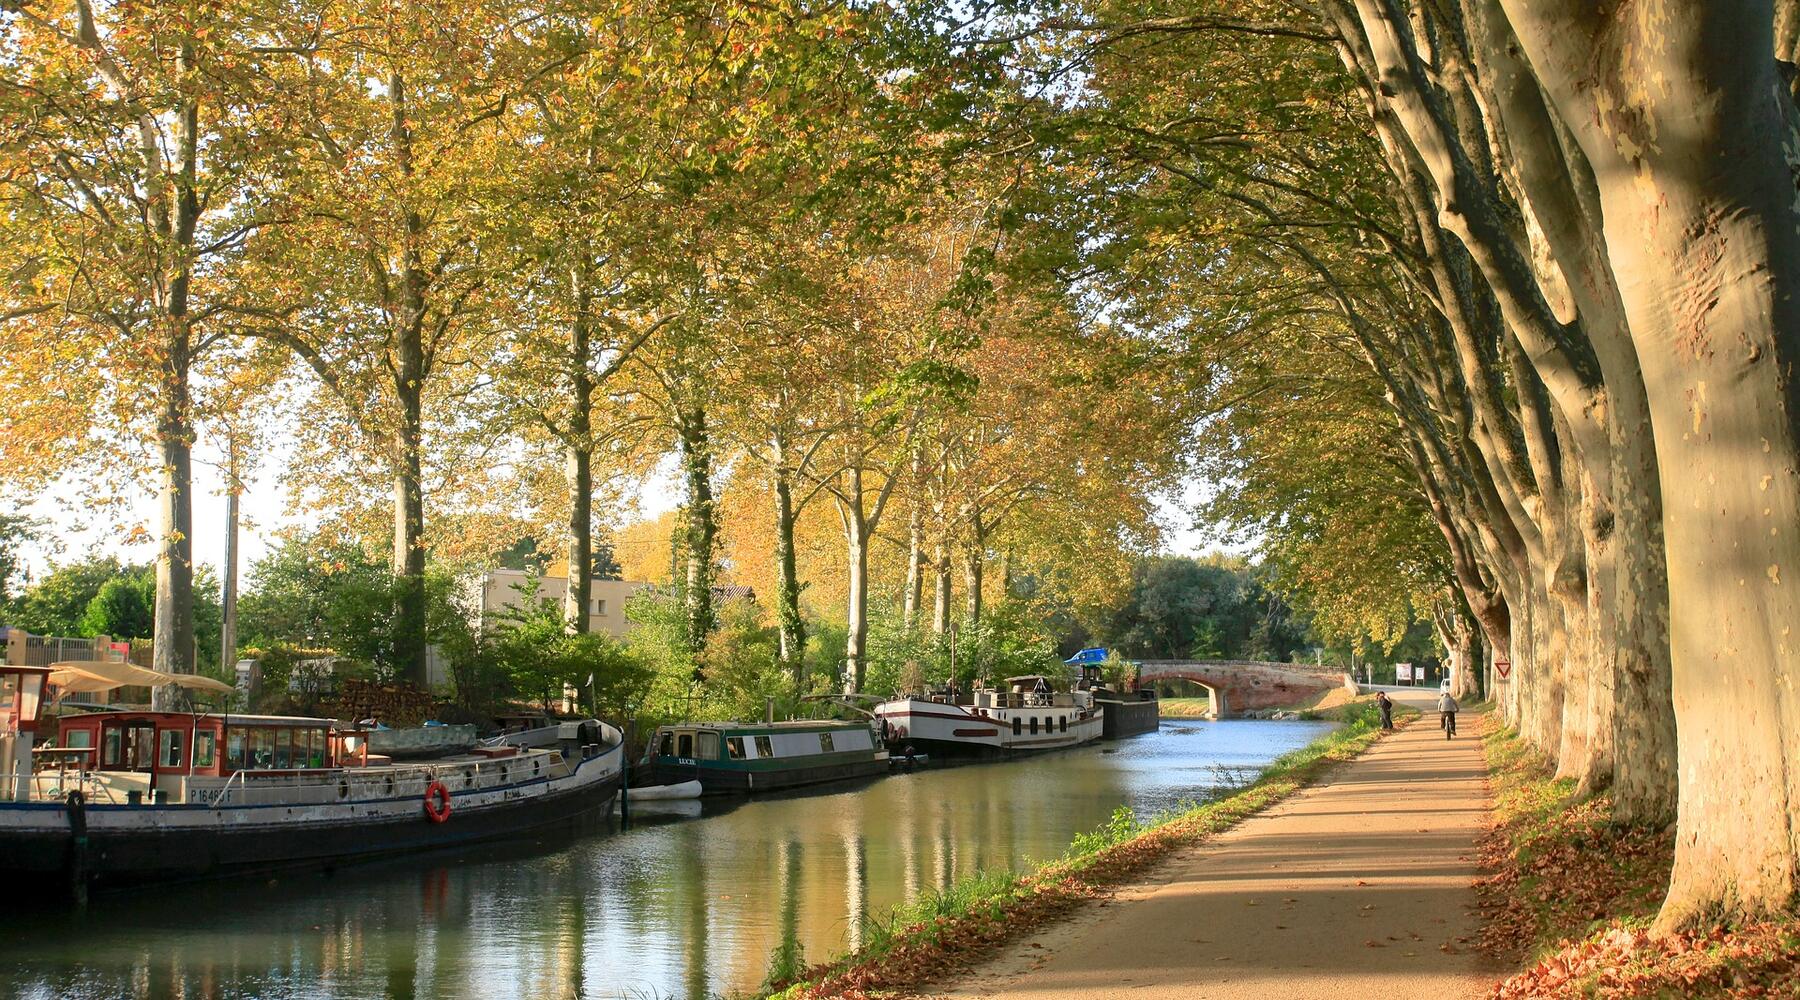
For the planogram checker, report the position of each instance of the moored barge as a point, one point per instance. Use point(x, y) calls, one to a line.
point(736, 757)
point(151, 796)
point(1028, 717)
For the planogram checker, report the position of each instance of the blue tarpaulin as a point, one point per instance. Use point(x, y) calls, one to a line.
point(1086, 656)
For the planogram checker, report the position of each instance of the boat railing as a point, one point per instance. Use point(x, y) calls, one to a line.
point(393, 781)
point(218, 797)
point(55, 787)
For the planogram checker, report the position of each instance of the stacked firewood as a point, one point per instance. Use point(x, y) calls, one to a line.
point(391, 704)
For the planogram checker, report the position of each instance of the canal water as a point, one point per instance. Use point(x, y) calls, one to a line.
point(690, 902)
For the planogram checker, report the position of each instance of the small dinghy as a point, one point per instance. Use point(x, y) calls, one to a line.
point(664, 793)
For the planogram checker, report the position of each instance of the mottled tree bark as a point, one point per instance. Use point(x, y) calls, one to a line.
point(1697, 191)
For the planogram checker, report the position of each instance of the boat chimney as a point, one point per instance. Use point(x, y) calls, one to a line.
point(769, 710)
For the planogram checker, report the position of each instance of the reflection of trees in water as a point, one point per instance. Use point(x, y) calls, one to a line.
point(788, 956)
point(856, 885)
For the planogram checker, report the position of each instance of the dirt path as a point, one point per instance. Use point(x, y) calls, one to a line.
point(1359, 887)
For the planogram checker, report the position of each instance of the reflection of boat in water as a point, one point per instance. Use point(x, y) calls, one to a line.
point(1028, 717)
point(727, 757)
point(144, 796)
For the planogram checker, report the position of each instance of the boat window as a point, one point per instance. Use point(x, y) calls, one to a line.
point(234, 749)
point(170, 753)
point(763, 749)
point(262, 749)
point(78, 738)
point(1065, 723)
point(203, 749)
point(1015, 725)
point(684, 745)
point(666, 748)
point(735, 747)
point(1034, 725)
point(824, 742)
point(109, 756)
point(284, 749)
point(709, 747)
point(320, 740)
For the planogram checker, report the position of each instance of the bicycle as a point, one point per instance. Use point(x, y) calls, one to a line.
point(1448, 721)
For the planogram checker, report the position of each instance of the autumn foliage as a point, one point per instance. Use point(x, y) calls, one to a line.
point(1571, 892)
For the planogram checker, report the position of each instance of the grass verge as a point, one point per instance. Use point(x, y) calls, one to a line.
point(942, 931)
point(1572, 894)
point(1183, 708)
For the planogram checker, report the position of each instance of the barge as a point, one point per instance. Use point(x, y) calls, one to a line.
point(738, 758)
point(134, 797)
point(1028, 717)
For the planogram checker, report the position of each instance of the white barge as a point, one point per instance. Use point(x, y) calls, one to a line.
point(1028, 717)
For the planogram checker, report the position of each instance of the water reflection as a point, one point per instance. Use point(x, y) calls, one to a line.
point(675, 907)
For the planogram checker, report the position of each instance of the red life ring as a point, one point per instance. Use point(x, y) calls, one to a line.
point(437, 802)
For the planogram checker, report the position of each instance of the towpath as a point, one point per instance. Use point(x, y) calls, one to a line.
point(1357, 887)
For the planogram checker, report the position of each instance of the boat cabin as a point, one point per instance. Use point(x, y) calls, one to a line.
point(728, 757)
point(188, 744)
point(731, 742)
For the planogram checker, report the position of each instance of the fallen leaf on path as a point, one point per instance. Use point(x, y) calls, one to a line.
point(1372, 943)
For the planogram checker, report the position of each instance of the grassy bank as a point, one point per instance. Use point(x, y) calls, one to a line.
point(1183, 708)
point(937, 933)
point(1570, 895)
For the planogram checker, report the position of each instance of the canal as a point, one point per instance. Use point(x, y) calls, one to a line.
point(690, 902)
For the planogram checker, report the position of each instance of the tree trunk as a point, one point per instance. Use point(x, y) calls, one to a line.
point(940, 591)
point(1697, 197)
point(915, 568)
point(228, 599)
point(409, 551)
point(172, 648)
point(578, 471)
point(856, 624)
point(408, 444)
point(792, 627)
point(578, 464)
point(702, 527)
point(975, 566)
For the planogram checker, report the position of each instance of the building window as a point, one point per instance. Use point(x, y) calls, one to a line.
point(824, 742)
point(170, 754)
point(594, 607)
point(734, 745)
point(763, 748)
point(600, 606)
point(203, 749)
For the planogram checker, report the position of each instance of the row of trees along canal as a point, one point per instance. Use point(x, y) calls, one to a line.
point(1494, 298)
point(477, 265)
point(1499, 295)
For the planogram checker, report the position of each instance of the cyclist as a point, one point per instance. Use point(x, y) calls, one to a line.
point(1447, 714)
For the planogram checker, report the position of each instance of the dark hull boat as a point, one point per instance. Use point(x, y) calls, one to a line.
point(179, 796)
point(742, 758)
point(1130, 713)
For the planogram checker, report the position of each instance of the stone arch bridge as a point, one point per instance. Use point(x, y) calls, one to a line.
point(1244, 685)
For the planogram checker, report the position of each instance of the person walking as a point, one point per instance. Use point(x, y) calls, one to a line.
point(1447, 714)
point(1387, 709)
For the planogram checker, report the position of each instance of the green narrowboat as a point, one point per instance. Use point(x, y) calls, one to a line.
point(737, 757)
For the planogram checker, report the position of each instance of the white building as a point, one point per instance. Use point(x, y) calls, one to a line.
point(502, 590)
